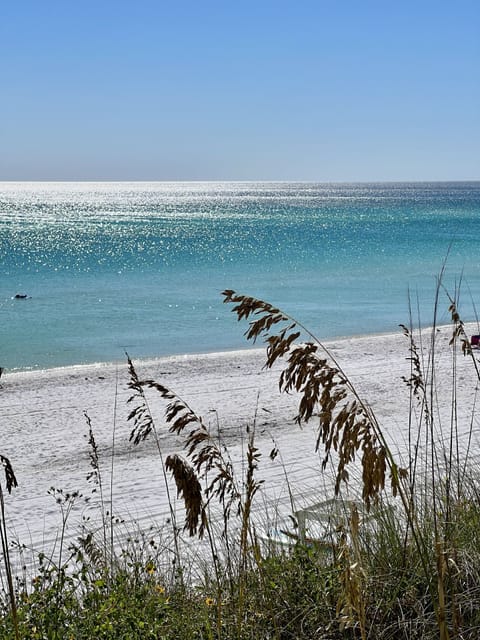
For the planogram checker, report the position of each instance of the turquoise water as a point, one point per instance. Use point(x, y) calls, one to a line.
point(140, 266)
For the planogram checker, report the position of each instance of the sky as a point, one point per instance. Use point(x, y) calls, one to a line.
point(325, 90)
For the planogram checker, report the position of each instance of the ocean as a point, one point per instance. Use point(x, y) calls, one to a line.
point(139, 267)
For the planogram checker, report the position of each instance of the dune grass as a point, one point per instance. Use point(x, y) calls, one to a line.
point(404, 562)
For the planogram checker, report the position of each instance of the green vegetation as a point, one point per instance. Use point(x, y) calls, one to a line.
point(403, 563)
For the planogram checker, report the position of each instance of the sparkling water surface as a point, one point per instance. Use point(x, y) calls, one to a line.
point(110, 267)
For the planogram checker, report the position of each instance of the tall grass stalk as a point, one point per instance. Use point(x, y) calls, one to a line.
point(112, 468)
point(95, 476)
point(144, 425)
point(11, 483)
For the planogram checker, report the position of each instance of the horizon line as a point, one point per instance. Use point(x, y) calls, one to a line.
point(239, 181)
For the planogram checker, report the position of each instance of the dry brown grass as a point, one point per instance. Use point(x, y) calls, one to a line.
point(346, 425)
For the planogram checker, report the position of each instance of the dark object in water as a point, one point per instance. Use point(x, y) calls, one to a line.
point(475, 341)
point(21, 296)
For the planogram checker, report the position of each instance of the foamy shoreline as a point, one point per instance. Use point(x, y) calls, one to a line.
point(44, 425)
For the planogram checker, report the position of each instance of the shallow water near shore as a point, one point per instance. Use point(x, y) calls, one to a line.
point(110, 267)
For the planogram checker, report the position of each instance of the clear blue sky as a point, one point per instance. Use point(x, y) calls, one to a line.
point(337, 90)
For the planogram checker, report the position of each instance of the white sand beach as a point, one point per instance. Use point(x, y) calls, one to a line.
point(44, 427)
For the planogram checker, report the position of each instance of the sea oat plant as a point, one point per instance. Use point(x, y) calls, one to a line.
point(348, 428)
point(204, 473)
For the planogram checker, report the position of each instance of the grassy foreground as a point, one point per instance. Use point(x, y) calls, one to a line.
point(404, 562)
